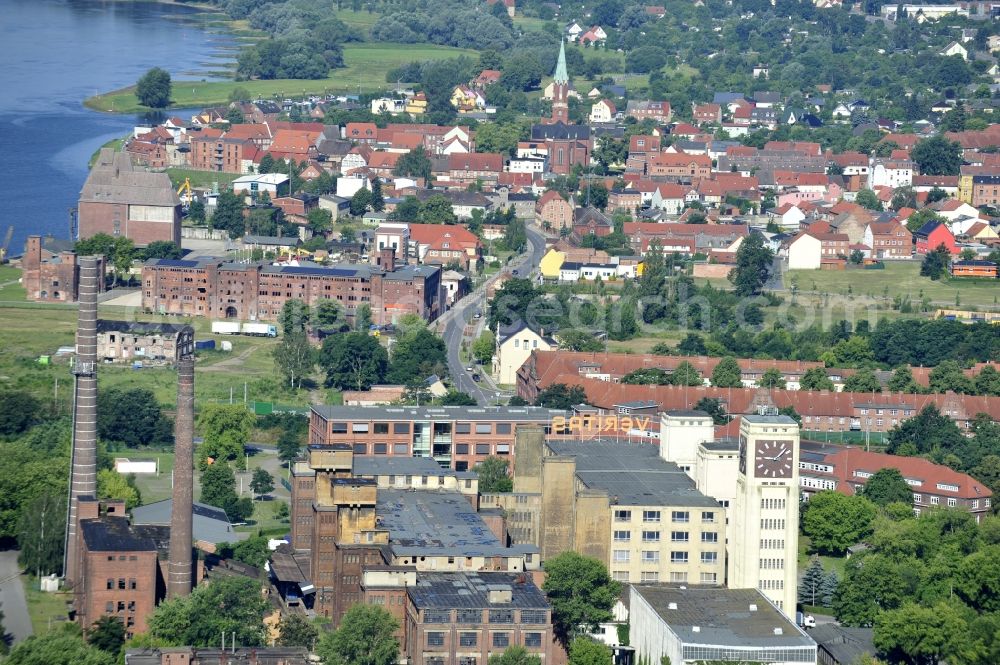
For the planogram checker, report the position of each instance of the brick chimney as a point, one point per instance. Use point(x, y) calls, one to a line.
point(387, 259)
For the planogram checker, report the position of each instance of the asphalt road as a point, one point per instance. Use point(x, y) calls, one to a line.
point(457, 318)
point(16, 620)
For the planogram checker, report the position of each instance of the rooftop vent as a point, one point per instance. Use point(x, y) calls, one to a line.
point(777, 631)
point(671, 606)
point(695, 629)
point(753, 608)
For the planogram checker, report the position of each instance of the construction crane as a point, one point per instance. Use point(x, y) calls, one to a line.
point(6, 244)
point(184, 191)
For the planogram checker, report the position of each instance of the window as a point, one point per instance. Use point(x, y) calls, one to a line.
point(501, 639)
point(468, 639)
point(707, 517)
point(111, 584)
point(709, 578)
point(360, 448)
point(534, 616)
point(620, 575)
point(501, 616)
point(678, 557)
point(710, 558)
point(620, 556)
point(917, 498)
point(437, 616)
point(680, 516)
point(463, 428)
point(651, 516)
point(359, 428)
point(681, 577)
point(678, 536)
point(380, 449)
point(461, 449)
point(651, 556)
point(935, 500)
point(503, 428)
point(650, 576)
point(338, 428)
point(623, 515)
point(482, 449)
point(435, 639)
point(623, 536)
point(710, 537)
point(532, 639)
point(401, 428)
point(650, 536)
point(132, 584)
point(109, 607)
point(952, 502)
point(121, 583)
point(381, 428)
point(483, 428)
point(469, 616)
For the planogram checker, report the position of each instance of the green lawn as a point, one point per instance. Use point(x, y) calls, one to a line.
point(366, 65)
point(881, 286)
point(362, 21)
point(200, 178)
point(45, 609)
point(833, 563)
point(529, 23)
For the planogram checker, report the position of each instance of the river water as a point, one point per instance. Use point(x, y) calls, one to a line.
point(55, 53)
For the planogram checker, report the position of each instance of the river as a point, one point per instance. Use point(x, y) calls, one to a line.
point(55, 54)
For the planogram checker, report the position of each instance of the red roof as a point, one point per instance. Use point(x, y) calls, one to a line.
point(438, 235)
point(922, 475)
point(360, 130)
point(476, 161)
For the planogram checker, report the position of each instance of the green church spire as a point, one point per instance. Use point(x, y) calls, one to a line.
point(561, 76)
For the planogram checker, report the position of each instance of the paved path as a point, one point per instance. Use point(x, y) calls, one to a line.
point(16, 619)
point(456, 319)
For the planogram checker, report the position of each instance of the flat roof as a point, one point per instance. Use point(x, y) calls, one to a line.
point(114, 534)
point(436, 523)
point(723, 617)
point(142, 327)
point(769, 420)
point(471, 590)
point(521, 413)
point(632, 474)
point(381, 465)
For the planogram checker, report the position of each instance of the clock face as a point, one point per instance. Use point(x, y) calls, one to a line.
point(773, 459)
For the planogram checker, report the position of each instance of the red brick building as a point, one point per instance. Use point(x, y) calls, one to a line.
point(679, 165)
point(224, 154)
point(257, 292)
point(554, 210)
point(50, 272)
point(889, 240)
point(120, 200)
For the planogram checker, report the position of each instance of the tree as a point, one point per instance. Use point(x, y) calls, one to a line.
point(560, 396)
point(224, 428)
point(289, 445)
point(262, 482)
point(835, 521)
point(225, 605)
point(712, 407)
point(928, 431)
point(320, 221)
point(218, 485)
point(253, 551)
point(228, 215)
point(19, 410)
point(363, 318)
point(107, 634)
point(922, 635)
point(414, 164)
point(988, 381)
point(829, 589)
point(326, 313)
point(40, 530)
point(366, 636)
point(437, 209)
point(493, 475)
point(888, 486)
point(515, 655)
point(132, 417)
point(862, 381)
point(153, 89)
point(294, 357)
point(483, 347)
point(815, 378)
point(811, 584)
point(58, 647)
point(727, 374)
point(949, 376)
point(294, 630)
point(113, 485)
point(165, 249)
point(457, 398)
point(771, 378)
point(579, 340)
point(935, 263)
point(585, 650)
point(753, 266)
point(902, 381)
point(685, 374)
point(647, 376)
point(938, 156)
point(360, 202)
point(581, 594)
point(377, 199)
point(353, 361)
point(868, 199)
point(417, 355)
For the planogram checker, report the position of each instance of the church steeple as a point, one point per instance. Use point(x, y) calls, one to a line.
point(561, 76)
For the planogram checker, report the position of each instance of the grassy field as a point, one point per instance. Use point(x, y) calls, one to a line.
point(365, 68)
point(897, 279)
point(45, 609)
point(361, 21)
point(529, 23)
point(201, 178)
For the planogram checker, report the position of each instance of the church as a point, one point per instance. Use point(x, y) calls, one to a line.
point(565, 144)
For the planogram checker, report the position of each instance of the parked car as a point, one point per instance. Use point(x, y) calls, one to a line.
point(476, 377)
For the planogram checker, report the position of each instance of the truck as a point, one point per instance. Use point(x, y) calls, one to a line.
point(259, 329)
point(225, 328)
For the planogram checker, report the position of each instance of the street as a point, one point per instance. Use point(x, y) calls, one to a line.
point(16, 620)
point(456, 319)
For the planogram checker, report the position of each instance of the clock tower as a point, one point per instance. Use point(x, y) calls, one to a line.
point(763, 552)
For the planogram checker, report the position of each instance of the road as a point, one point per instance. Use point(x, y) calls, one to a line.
point(456, 319)
point(16, 620)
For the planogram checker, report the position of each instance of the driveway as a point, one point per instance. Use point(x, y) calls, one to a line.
point(16, 620)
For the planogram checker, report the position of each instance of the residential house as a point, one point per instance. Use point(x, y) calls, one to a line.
point(679, 166)
point(589, 221)
point(657, 111)
point(955, 48)
point(889, 240)
point(888, 172)
point(932, 235)
point(707, 113)
point(603, 111)
point(361, 132)
point(787, 216)
point(515, 342)
point(670, 198)
point(467, 99)
point(553, 210)
point(445, 244)
point(983, 233)
point(475, 168)
point(981, 269)
point(596, 35)
point(953, 210)
point(805, 252)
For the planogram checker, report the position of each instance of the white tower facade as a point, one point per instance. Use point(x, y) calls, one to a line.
point(763, 550)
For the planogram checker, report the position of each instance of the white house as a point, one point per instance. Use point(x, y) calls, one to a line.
point(788, 216)
point(892, 173)
point(259, 183)
point(573, 271)
point(395, 235)
point(352, 161)
point(669, 198)
point(956, 48)
point(953, 210)
point(805, 252)
point(514, 344)
point(527, 165)
point(349, 186)
point(841, 111)
point(602, 112)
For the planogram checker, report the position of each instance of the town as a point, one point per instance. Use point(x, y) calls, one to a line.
point(504, 366)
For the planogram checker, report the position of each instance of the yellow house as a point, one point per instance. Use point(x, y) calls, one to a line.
point(514, 344)
point(417, 104)
point(965, 188)
point(466, 99)
point(982, 232)
point(551, 263)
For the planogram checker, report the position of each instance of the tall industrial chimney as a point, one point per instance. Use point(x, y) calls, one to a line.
point(179, 578)
point(83, 469)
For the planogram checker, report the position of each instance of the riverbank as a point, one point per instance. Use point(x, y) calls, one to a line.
point(365, 67)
